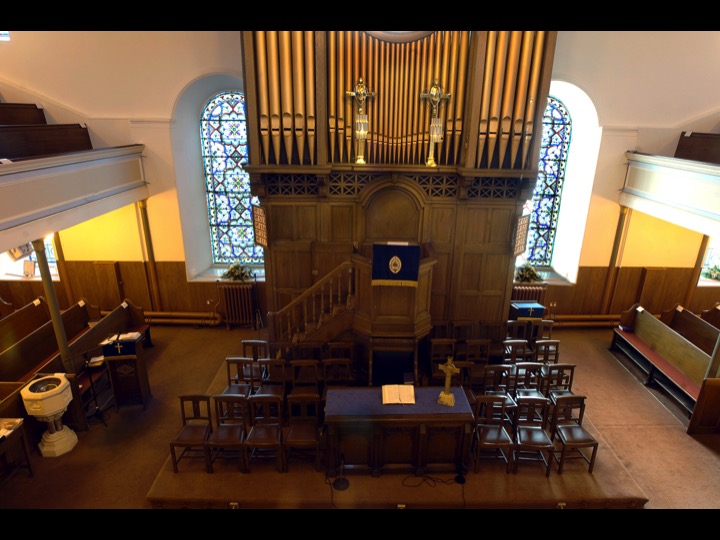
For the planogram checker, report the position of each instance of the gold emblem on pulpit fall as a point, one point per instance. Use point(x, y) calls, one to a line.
point(395, 264)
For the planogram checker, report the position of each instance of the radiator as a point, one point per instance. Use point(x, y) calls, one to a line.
point(534, 293)
point(237, 302)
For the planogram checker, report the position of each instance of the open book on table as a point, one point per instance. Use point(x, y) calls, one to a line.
point(403, 394)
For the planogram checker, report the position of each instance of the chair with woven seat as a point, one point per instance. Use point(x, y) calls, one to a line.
point(566, 426)
point(490, 437)
point(532, 439)
point(228, 436)
point(302, 435)
point(196, 413)
point(265, 438)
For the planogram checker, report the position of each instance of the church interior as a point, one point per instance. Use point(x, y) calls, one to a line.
point(392, 178)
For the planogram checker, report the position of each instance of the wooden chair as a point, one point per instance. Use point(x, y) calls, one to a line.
point(265, 438)
point(547, 351)
point(462, 331)
point(236, 382)
point(495, 381)
point(274, 378)
point(528, 380)
point(302, 436)
point(532, 440)
point(305, 377)
point(196, 427)
point(477, 356)
point(574, 439)
point(516, 329)
point(228, 436)
point(255, 348)
point(440, 350)
point(490, 438)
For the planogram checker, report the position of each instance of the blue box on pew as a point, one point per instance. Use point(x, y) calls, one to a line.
point(526, 310)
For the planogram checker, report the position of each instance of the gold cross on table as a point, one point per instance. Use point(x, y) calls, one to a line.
point(531, 310)
point(446, 397)
point(118, 346)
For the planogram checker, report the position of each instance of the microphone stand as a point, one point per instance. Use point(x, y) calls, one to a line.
point(98, 412)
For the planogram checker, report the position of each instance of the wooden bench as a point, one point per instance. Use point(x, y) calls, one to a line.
point(669, 357)
point(23, 321)
point(37, 355)
point(33, 140)
point(712, 315)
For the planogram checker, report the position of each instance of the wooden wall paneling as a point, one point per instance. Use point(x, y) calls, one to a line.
point(674, 287)
point(111, 289)
point(97, 281)
point(306, 225)
point(281, 221)
point(652, 284)
point(21, 292)
point(440, 227)
point(705, 297)
point(627, 289)
point(291, 271)
point(175, 291)
point(136, 284)
point(392, 213)
point(341, 223)
point(328, 255)
point(585, 297)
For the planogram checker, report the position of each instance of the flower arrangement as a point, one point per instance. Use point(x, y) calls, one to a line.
point(526, 274)
point(711, 272)
point(237, 272)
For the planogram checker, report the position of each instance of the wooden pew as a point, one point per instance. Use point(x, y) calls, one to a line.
point(712, 315)
point(670, 358)
point(23, 321)
point(6, 308)
point(37, 355)
point(30, 140)
point(21, 113)
point(691, 327)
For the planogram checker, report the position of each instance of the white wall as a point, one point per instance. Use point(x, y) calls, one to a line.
point(646, 86)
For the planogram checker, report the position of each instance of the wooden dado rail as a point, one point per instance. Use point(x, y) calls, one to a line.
point(37, 354)
point(672, 359)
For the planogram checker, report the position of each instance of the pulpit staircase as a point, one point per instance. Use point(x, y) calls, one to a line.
point(320, 313)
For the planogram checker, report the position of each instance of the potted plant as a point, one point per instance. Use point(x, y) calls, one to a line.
point(526, 274)
point(237, 272)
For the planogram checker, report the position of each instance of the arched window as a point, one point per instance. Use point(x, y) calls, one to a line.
point(544, 207)
point(227, 186)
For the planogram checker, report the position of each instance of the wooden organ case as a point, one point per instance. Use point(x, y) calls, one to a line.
point(441, 151)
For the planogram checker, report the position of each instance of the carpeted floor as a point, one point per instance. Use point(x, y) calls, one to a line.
point(644, 454)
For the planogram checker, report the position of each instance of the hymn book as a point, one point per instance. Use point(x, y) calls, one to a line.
point(403, 394)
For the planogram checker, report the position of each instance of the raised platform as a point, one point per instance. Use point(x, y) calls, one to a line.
point(609, 486)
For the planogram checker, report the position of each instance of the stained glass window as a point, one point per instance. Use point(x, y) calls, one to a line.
point(227, 185)
point(544, 206)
